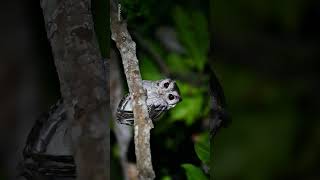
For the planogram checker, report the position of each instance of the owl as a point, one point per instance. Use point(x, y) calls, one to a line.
point(162, 95)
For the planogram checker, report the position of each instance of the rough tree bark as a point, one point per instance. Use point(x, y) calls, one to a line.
point(142, 122)
point(123, 133)
point(83, 83)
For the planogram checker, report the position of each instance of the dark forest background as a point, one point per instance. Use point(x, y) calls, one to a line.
point(264, 52)
point(267, 58)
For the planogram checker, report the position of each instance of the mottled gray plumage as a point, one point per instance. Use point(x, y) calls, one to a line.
point(162, 95)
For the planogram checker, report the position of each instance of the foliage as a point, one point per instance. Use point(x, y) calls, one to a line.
point(193, 172)
point(135, 8)
point(148, 69)
point(202, 148)
point(191, 108)
point(192, 29)
point(137, 11)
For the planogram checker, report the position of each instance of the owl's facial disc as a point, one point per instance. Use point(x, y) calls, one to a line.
point(166, 84)
point(172, 98)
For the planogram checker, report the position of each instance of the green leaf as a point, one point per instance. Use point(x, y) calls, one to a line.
point(166, 178)
point(193, 172)
point(191, 107)
point(149, 70)
point(188, 110)
point(192, 31)
point(177, 63)
point(202, 148)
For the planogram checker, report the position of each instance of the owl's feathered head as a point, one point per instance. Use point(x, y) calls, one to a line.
point(170, 90)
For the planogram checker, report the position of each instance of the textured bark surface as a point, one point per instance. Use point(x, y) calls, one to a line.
point(142, 122)
point(123, 133)
point(83, 83)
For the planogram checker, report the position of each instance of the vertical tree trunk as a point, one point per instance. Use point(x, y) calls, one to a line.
point(83, 83)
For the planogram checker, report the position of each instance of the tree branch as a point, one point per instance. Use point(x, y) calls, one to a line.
point(142, 122)
point(123, 133)
point(83, 83)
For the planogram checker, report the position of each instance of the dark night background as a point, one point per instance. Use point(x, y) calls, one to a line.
point(267, 58)
point(265, 53)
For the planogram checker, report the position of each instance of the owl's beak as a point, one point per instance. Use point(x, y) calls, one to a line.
point(180, 98)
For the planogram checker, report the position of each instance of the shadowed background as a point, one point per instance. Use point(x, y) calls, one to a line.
point(266, 54)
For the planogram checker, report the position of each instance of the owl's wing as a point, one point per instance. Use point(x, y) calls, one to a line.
point(155, 111)
point(123, 116)
point(156, 106)
point(127, 118)
point(124, 102)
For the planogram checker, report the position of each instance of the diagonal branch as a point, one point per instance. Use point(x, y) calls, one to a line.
point(142, 122)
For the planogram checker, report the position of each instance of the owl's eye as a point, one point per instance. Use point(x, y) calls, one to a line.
point(171, 97)
point(166, 85)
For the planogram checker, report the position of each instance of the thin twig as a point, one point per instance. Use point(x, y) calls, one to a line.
point(142, 122)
